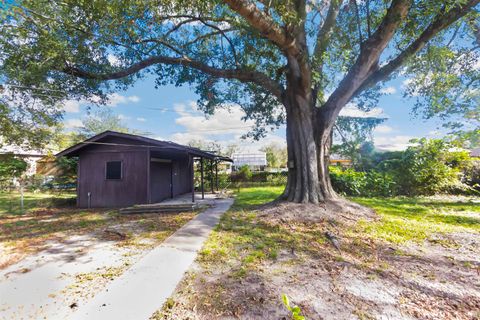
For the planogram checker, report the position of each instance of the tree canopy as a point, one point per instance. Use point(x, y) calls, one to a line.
point(218, 45)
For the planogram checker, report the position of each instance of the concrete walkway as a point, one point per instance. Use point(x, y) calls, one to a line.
point(143, 288)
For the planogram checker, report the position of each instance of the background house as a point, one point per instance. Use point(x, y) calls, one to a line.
point(339, 160)
point(29, 156)
point(255, 161)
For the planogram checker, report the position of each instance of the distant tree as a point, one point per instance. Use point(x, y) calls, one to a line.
point(355, 136)
point(277, 156)
point(244, 173)
point(63, 140)
point(230, 149)
point(101, 120)
point(211, 146)
point(298, 62)
point(467, 138)
point(11, 166)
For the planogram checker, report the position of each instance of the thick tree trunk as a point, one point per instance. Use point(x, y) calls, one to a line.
point(308, 144)
point(323, 138)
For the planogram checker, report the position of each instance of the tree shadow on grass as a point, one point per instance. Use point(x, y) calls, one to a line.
point(248, 263)
point(451, 213)
point(31, 232)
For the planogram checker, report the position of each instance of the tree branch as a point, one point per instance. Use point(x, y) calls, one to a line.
point(264, 24)
point(476, 31)
point(159, 41)
point(323, 38)
point(242, 75)
point(440, 23)
point(179, 25)
point(359, 25)
point(369, 31)
point(222, 32)
point(367, 60)
point(325, 32)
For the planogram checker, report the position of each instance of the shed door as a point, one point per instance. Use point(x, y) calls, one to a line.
point(160, 181)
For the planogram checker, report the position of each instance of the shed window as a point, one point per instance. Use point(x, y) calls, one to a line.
point(114, 170)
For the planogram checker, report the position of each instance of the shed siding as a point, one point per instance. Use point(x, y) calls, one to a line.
point(130, 190)
point(160, 181)
point(181, 177)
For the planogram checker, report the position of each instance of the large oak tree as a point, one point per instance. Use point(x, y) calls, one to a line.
point(297, 62)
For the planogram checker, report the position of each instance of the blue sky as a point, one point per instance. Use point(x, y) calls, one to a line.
point(177, 120)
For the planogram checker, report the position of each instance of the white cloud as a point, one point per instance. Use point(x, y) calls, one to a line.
point(115, 99)
point(383, 129)
point(140, 119)
point(476, 66)
point(186, 137)
point(351, 110)
point(114, 61)
point(393, 143)
point(72, 106)
point(251, 146)
point(224, 121)
point(388, 90)
point(407, 82)
point(224, 127)
point(73, 123)
point(123, 117)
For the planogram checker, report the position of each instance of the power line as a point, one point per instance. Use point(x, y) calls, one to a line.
point(31, 88)
point(216, 130)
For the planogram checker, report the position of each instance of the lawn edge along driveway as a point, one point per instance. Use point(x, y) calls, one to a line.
point(143, 288)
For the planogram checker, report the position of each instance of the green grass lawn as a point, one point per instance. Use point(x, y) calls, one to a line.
point(10, 201)
point(402, 218)
point(415, 219)
point(247, 198)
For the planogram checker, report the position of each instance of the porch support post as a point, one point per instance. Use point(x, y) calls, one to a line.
point(192, 176)
point(149, 192)
point(216, 174)
point(211, 176)
point(201, 177)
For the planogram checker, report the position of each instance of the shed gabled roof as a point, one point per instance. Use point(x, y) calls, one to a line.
point(138, 141)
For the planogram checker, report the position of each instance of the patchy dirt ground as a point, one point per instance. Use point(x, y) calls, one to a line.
point(54, 261)
point(330, 268)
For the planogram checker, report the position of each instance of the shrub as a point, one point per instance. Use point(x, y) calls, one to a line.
point(379, 184)
point(427, 168)
point(245, 173)
point(471, 175)
point(277, 178)
point(259, 178)
point(347, 181)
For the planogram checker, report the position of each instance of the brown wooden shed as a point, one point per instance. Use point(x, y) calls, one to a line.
point(118, 169)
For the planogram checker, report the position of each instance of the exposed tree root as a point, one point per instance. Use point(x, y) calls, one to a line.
point(336, 210)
